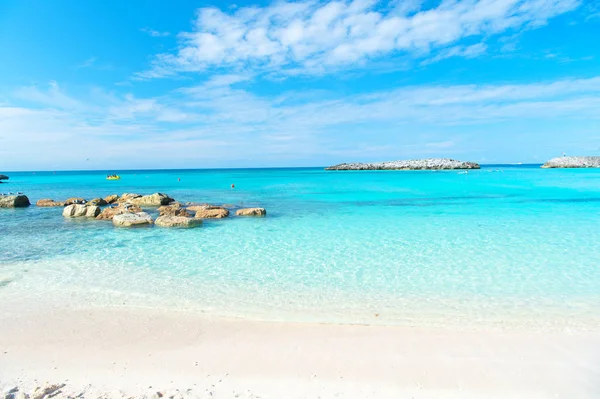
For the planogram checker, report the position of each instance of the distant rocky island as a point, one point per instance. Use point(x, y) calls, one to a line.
point(3, 177)
point(413, 164)
point(573, 162)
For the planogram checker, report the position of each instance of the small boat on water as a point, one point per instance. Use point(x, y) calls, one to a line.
point(113, 177)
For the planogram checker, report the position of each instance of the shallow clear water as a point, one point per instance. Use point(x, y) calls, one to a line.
point(503, 245)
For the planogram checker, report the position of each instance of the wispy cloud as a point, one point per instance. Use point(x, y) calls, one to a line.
point(319, 37)
point(155, 33)
point(87, 63)
point(92, 63)
point(224, 123)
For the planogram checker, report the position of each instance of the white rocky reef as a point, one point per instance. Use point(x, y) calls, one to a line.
point(573, 162)
point(413, 164)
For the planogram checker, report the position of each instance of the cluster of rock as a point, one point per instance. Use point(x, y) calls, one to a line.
point(413, 164)
point(126, 210)
point(573, 162)
point(3, 177)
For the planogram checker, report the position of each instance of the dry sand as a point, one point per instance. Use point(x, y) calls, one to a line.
point(124, 352)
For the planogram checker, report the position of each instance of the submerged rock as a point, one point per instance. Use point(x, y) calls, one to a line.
point(177, 221)
point(97, 202)
point(111, 199)
point(414, 164)
point(81, 210)
point(212, 212)
point(111, 212)
point(14, 201)
point(156, 199)
point(46, 202)
point(251, 212)
point(573, 162)
point(132, 219)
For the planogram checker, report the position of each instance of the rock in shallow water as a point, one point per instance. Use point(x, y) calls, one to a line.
point(156, 199)
point(78, 210)
point(211, 212)
point(572, 162)
point(14, 201)
point(109, 213)
point(74, 200)
point(97, 202)
point(132, 219)
point(177, 221)
point(413, 164)
point(46, 202)
point(173, 210)
point(111, 199)
point(251, 212)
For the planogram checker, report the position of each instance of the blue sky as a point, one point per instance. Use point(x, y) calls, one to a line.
point(186, 84)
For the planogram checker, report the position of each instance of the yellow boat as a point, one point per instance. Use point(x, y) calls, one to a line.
point(116, 177)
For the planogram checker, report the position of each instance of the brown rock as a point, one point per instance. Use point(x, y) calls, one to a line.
point(49, 202)
point(212, 213)
point(197, 207)
point(110, 212)
point(14, 201)
point(173, 210)
point(132, 219)
point(177, 221)
point(126, 197)
point(251, 212)
point(156, 199)
point(97, 202)
point(111, 199)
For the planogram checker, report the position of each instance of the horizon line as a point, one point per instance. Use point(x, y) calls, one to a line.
point(222, 168)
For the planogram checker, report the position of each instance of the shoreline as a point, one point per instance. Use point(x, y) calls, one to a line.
point(128, 350)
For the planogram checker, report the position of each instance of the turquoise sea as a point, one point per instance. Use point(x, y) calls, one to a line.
point(505, 245)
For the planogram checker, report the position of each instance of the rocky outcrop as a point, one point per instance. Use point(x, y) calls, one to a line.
point(212, 212)
point(74, 200)
point(173, 210)
point(196, 207)
point(111, 199)
point(132, 219)
point(77, 211)
point(3, 177)
point(177, 221)
point(572, 162)
point(416, 164)
point(126, 197)
point(46, 202)
point(251, 212)
point(110, 212)
point(156, 199)
point(14, 201)
point(97, 202)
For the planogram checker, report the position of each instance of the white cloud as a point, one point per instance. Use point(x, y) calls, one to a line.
point(316, 37)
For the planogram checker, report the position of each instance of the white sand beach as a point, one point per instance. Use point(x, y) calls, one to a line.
point(125, 352)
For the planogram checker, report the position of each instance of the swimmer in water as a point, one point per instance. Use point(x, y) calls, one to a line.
point(232, 186)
